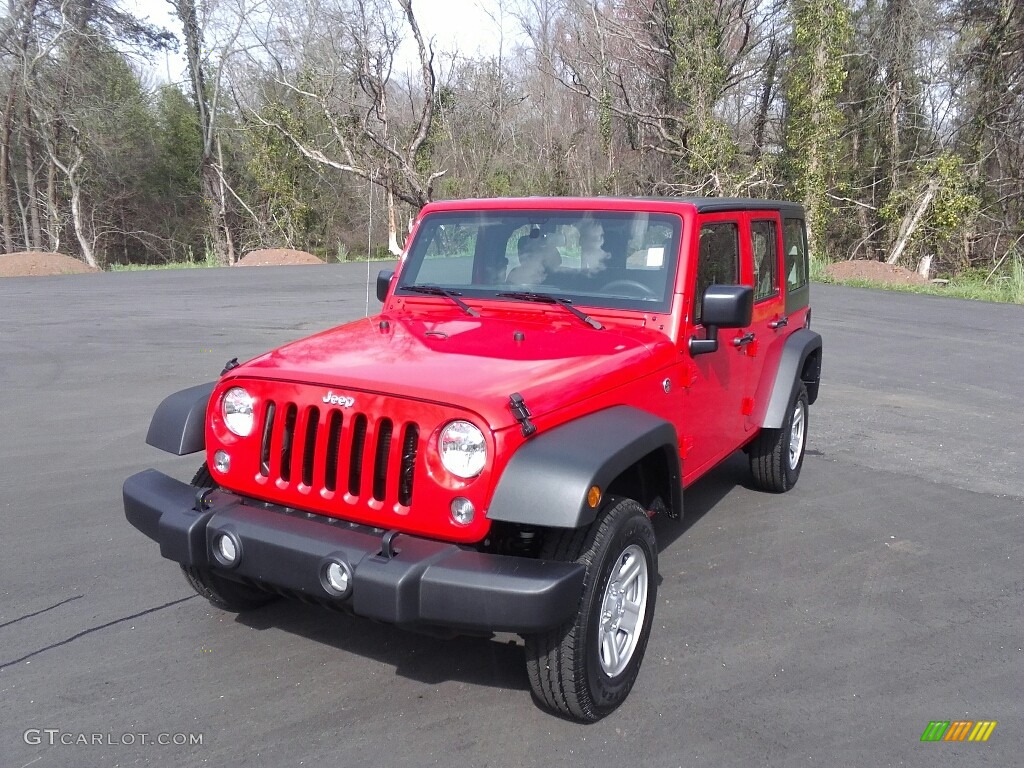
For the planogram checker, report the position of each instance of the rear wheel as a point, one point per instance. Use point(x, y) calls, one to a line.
point(776, 455)
point(223, 593)
point(586, 668)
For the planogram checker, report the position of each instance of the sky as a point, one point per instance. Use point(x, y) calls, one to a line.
point(461, 24)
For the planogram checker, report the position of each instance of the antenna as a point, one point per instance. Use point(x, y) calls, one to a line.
point(369, 244)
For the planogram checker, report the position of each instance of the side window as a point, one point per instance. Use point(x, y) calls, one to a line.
point(794, 239)
point(718, 259)
point(766, 259)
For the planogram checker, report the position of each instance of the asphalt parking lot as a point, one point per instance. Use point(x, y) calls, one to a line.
point(827, 626)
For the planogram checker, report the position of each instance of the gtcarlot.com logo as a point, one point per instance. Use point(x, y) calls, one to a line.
point(55, 736)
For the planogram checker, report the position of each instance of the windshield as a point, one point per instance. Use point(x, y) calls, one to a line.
point(620, 260)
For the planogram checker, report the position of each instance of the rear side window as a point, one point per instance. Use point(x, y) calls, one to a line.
point(794, 240)
point(766, 259)
point(718, 259)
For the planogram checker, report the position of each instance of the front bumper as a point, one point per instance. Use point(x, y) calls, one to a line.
point(413, 582)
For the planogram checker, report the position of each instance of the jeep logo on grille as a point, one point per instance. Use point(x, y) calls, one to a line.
point(345, 402)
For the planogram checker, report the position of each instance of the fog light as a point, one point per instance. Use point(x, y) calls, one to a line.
point(337, 578)
point(226, 549)
point(221, 461)
point(462, 510)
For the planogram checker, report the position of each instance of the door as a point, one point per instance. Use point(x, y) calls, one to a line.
point(719, 394)
point(770, 323)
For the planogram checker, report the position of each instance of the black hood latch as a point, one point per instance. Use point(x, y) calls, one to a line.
point(521, 413)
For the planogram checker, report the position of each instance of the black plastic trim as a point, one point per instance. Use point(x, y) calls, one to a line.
point(799, 346)
point(547, 480)
point(384, 284)
point(422, 583)
point(179, 424)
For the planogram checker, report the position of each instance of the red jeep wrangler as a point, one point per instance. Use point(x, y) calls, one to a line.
point(486, 453)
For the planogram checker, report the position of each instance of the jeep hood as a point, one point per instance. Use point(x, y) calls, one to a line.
point(470, 362)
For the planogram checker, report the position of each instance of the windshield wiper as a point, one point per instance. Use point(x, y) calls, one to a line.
point(436, 290)
point(546, 298)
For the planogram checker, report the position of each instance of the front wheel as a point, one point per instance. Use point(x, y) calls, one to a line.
point(222, 593)
point(586, 668)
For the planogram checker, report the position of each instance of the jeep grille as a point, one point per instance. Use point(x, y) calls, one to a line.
point(336, 450)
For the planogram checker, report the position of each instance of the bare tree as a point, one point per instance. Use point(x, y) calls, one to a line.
point(337, 65)
point(206, 92)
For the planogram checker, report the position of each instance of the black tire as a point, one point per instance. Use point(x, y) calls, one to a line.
point(203, 478)
point(222, 593)
point(567, 667)
point(772, 462)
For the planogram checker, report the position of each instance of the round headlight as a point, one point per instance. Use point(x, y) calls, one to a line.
point(238, 411)
point(463, 450)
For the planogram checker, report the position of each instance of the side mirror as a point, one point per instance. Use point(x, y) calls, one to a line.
point(384, 283)
point(723, 306)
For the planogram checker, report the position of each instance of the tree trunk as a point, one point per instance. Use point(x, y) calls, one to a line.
point(218, 226)
point(30, 179)
point(862, 213)
point(211, 180)
point(75, 185)
point(52, 209)
point(813, 202)
point(911, 222)
point(393, 246)
point(761, 121)
point(5, 169)
point(78, 220)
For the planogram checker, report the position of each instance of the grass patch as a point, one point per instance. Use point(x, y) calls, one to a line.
point(168, 265)
point(341, 256)
point(1005, 286)
point(209, 260)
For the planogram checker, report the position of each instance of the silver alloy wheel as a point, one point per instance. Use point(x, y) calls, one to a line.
point(622, 611)
point(796, 433)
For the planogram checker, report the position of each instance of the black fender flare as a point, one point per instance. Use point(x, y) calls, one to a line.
point(547, 480)
point(790, 374)
point(179, 423)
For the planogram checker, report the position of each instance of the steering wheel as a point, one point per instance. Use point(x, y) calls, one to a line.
point(630, 285)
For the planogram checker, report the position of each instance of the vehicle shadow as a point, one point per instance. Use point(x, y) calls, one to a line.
point(495, 662)
point(701, 497)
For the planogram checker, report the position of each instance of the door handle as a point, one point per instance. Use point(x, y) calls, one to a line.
point(778, 323)
point(746, 338)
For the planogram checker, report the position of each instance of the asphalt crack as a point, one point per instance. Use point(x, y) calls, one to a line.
point(36, 613)
point(89, 631)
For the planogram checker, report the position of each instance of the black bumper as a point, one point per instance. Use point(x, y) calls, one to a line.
point(422, 583)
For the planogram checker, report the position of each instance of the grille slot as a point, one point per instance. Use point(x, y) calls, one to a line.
point(268, 431)
point(410, 445)
point(309, 448)
point(334, 423)
point(288, 441)
point(380, 462)
point(355, 465)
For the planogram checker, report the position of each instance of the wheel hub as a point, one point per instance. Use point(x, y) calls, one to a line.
point(622, 610)
point(797, 429)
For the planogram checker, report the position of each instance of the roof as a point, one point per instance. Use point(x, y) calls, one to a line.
point(701, 204)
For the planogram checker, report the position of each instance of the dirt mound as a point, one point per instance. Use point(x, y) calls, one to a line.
point(875, 271)
point(272, 257)
point(25, 263)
